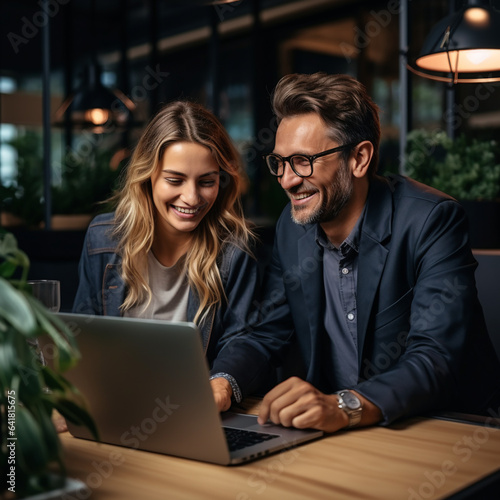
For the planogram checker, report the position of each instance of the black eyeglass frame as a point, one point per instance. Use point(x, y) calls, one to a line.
point(311, 158)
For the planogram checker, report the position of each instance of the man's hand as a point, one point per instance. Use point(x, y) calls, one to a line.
point(297, 403)
point(222, 393)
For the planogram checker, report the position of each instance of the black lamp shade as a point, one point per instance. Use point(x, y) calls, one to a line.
point(93, 105)
point(466, 42)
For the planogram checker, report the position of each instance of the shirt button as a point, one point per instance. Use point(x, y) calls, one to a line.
point(350, 316)
point(345, 270)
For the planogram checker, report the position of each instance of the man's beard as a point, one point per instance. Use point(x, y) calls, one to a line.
point(335, 198)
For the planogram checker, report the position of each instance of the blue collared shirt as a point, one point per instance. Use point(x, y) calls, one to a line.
point(340, 276)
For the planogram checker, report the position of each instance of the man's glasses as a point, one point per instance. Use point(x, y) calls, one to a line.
point(302, 165)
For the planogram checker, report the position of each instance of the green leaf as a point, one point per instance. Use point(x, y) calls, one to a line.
point(8, 245)
point(7, 269)
point(13, 257)
point(67, 349)
point(75, 414)
point(15, 309)
point(8, 362)
point(49, 431)
point(68, 400)
point(31, 449)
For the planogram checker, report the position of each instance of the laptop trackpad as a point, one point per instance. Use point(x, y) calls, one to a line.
point(286, 437)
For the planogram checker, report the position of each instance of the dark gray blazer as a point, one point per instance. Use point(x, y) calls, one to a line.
point(422, 339)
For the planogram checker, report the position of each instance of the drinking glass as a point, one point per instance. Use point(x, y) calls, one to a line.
point(48, 292)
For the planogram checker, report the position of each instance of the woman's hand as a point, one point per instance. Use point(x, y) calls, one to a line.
point(222, 393)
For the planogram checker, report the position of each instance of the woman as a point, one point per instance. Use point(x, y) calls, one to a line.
point(176, 248)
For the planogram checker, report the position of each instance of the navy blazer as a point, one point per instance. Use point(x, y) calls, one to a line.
point(422, 338)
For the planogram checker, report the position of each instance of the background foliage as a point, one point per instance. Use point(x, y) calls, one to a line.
point(467, 169)
point(84, 181)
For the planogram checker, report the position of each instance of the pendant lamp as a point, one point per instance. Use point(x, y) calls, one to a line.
point(93, 106)
point(463, 47)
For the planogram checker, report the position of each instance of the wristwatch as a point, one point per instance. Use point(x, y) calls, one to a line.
point(350, 403)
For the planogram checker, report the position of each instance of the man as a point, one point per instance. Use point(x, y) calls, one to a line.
point(372, 278)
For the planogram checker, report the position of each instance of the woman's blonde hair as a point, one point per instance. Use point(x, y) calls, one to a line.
point(135, 210)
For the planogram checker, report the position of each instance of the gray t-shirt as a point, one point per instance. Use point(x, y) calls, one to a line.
point(170, 289)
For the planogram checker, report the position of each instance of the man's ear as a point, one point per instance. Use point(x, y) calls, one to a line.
point(361, 158)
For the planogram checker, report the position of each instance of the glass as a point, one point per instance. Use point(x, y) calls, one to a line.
point(48, 292)
point(302, 165)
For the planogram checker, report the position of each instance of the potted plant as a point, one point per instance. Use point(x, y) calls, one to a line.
point(30, 449)
point(467, 169)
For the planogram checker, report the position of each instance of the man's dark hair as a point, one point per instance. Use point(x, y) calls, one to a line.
point(340, 100)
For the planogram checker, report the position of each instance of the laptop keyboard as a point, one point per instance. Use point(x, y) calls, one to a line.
point(239, 438)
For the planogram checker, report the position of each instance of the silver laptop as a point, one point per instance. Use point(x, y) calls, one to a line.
point(146, 382)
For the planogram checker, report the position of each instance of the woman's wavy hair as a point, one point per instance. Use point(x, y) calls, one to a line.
point(341, 101)
point(135, 210)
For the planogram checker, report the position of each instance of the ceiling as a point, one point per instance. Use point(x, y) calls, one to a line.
point(78, 27)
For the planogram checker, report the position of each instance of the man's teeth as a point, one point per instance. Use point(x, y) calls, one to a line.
point(186, 210)
point(301, 196)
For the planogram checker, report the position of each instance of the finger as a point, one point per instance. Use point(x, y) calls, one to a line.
point(320, 416)
point(292, 403)
point(306, 420)
point(296, 402)
point(269, 399)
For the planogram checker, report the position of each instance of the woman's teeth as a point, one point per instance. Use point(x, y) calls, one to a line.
point(186, 210)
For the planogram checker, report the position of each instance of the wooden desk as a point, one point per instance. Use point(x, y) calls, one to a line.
point(416, 459)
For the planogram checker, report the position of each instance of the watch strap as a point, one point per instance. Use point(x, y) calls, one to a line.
point(354, 414)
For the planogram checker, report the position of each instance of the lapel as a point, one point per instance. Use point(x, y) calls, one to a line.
point(376, 230)
point(310, 265)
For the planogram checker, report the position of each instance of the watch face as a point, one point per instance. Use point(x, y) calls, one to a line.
point(351, 401)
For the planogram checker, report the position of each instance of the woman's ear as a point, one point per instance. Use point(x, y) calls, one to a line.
point(362, 156)
point(224, 179)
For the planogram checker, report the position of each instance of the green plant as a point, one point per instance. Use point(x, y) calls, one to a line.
point(467, 169)
point(30, 449)
point(84, 181)
point(24, 198)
